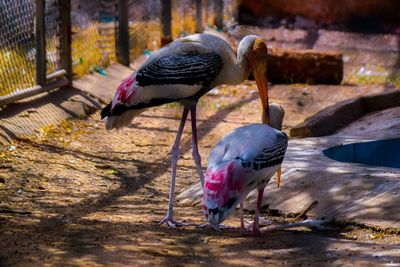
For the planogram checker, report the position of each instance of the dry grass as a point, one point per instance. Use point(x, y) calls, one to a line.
point(16, 71)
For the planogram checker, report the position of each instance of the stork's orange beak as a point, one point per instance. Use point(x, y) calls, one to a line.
point(262, 85)
point(278, 176)
point(259, 72)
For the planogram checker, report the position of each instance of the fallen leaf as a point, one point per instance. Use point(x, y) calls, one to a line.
point(110, 172)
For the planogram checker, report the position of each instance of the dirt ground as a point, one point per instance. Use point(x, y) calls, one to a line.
point(77, 195)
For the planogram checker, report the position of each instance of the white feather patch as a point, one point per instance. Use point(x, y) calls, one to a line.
point(176, 91)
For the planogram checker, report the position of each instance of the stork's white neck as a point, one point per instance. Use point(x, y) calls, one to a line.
point(238, 71)
point(242, 69)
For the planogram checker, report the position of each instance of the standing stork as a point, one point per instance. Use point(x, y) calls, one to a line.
point(242, 161)
point(183, 71)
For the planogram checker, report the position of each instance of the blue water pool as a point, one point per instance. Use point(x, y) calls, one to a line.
point(384, 153)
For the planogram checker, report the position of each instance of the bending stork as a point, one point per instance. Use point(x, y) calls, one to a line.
point(242, 161)
point(183, 71)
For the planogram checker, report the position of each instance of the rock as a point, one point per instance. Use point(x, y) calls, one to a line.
point(343, 113)
point(329, 119)
point(304, 66)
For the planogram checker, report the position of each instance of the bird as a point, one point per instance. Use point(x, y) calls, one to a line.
point(244, 160)
point(183, 71)
point(193, 194)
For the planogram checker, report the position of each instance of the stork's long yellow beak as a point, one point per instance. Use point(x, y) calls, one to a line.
point(260, 51)
point(262, 85)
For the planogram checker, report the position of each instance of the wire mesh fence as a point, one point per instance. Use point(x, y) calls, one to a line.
point(106, 30)
point(230, 12)
point(93, 27)
point(52, 19)
point(183, 18)
point(144, 27)
point(17, 45)
point(86, 52)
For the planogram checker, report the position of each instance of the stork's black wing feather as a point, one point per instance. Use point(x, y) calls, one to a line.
point(270, 156)
point(186, 69)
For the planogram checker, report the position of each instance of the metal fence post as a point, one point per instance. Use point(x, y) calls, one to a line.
point(218, 14)
point(166, 22)
point(199, 16)
point(123, 33)
point(40, 43)
point(66, 39)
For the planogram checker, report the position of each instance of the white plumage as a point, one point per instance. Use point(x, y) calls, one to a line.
point(183, 71)
point(242, 161)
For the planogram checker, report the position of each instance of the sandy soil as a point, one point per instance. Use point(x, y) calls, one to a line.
point(76, 194)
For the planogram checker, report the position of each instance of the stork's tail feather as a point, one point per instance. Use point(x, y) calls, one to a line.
point(192, 195)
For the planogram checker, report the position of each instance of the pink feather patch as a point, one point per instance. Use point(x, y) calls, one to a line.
point(220, 185)
point(125, 91)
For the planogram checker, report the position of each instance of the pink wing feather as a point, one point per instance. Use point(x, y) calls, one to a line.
point(125, 91)
point(222, 184)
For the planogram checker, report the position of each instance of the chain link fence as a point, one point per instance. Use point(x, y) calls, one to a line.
point(17, 45)
point(144, 27)
point(92, 26)
point(52, 18)
point(86, 43)
point(183, 18)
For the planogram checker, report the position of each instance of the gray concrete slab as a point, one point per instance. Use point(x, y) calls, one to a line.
point(347, 191)
point(103, 87)
point(27, 117)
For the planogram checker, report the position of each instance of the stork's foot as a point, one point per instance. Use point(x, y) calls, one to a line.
point(251, 229)
point(172, 223)
point(256, 230)
point(250, 232)
point(253, 232)
point(218, 227)
point(244, 231)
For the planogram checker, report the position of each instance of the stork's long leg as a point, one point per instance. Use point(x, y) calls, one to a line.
point(195, 149)
point(243, 229)
point(256, 227)
point(175, 153)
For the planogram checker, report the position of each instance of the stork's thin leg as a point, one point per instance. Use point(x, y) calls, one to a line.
point(175, 153)
point(243, 229)
point(195, 149)
point(256, 227)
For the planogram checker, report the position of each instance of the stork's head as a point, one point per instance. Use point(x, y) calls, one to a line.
point(255, 51)
point(276, 114)
point(222, 191)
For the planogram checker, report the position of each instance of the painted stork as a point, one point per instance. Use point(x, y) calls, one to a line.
point(183, 71)
point(242, 161)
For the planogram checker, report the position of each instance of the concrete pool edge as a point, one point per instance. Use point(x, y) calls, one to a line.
point(345, 191)
point(343, 113)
